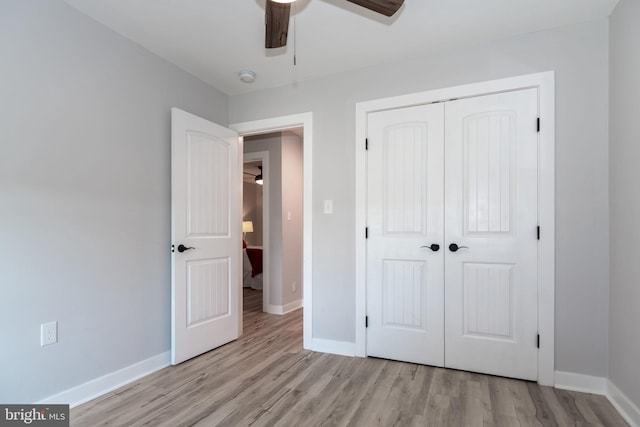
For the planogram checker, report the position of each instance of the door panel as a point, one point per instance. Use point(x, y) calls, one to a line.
point(207, 290)
point(489, 147)
point(487, 300)
point(405, 202)
point(208, 181)
point(205, 203)
point(491, 208)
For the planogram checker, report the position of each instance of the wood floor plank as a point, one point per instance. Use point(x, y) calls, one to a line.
point(265, 378)
point(477, 405)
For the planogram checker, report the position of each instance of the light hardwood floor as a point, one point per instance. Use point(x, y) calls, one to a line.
point(266, 378)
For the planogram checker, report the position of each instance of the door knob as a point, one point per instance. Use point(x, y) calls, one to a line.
point(454, 248)
point(182, 248)
point(434, 247)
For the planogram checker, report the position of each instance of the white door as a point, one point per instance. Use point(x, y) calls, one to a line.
point(205, 235)
point(491, 208)
point(462, 172)
point(405, 280)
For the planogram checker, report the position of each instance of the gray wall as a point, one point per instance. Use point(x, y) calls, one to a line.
point(292, 190)
point(84, 196)
point(252, 211)
point(285, 195)
point(273, 144)
point(624, 369)
point(579, 55)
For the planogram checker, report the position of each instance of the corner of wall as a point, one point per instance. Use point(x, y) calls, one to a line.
point(627, 409)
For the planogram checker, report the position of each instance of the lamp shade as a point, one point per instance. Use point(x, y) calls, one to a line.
point(247, 226)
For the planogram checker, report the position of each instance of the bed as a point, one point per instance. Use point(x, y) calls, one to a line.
point(252, 267)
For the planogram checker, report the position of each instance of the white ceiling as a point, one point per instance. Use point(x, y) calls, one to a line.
point(215, 39)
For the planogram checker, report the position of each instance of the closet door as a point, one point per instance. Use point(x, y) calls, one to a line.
point(491, 214)
point(405, 281)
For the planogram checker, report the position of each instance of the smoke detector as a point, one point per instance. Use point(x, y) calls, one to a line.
point(247, 76)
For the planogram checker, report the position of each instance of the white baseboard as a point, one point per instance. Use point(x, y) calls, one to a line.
point(284, 309)
point(97, 387)
point(629, 410)
point(342, 348)
point(599, 385)
point(579, 382)
point(292, 306)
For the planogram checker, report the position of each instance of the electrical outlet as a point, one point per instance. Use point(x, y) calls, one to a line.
point(48, 333)
point(293, 287)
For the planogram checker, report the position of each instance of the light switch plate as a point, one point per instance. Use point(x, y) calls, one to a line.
point(328, 206)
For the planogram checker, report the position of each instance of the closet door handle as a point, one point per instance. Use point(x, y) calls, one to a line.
point(454, 247)
point(182, 248)
point(434, 247)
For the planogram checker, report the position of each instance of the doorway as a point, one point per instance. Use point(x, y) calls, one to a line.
point(276, 218)
point(283, 124)
point(255, 220)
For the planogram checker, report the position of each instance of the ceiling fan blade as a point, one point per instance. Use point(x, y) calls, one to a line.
point(277, 24)
point(385, 7)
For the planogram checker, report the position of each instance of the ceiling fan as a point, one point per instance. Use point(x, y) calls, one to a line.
point(278, 11)
point(257, 178)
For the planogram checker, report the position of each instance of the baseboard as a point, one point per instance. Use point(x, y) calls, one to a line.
point(284, 309)
point(629, 410)
point(292, 306)
point(579, 382)
point(342, 348)
point(97, 387)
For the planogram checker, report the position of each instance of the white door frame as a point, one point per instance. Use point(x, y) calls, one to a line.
point(275, 124)
point(266, 259)
point(545, 82)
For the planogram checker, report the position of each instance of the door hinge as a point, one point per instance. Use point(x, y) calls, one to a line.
point(538, 232)
point(538, 342)
point(366, 143)
point(538, 124)
point(366, 232)
point(366, 321)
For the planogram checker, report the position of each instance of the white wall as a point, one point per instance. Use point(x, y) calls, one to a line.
point(579, 55)
point(84, 196)
point(624, 356)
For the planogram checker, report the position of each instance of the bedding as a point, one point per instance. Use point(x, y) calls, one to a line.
point(255, 258)
point(251, 267)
